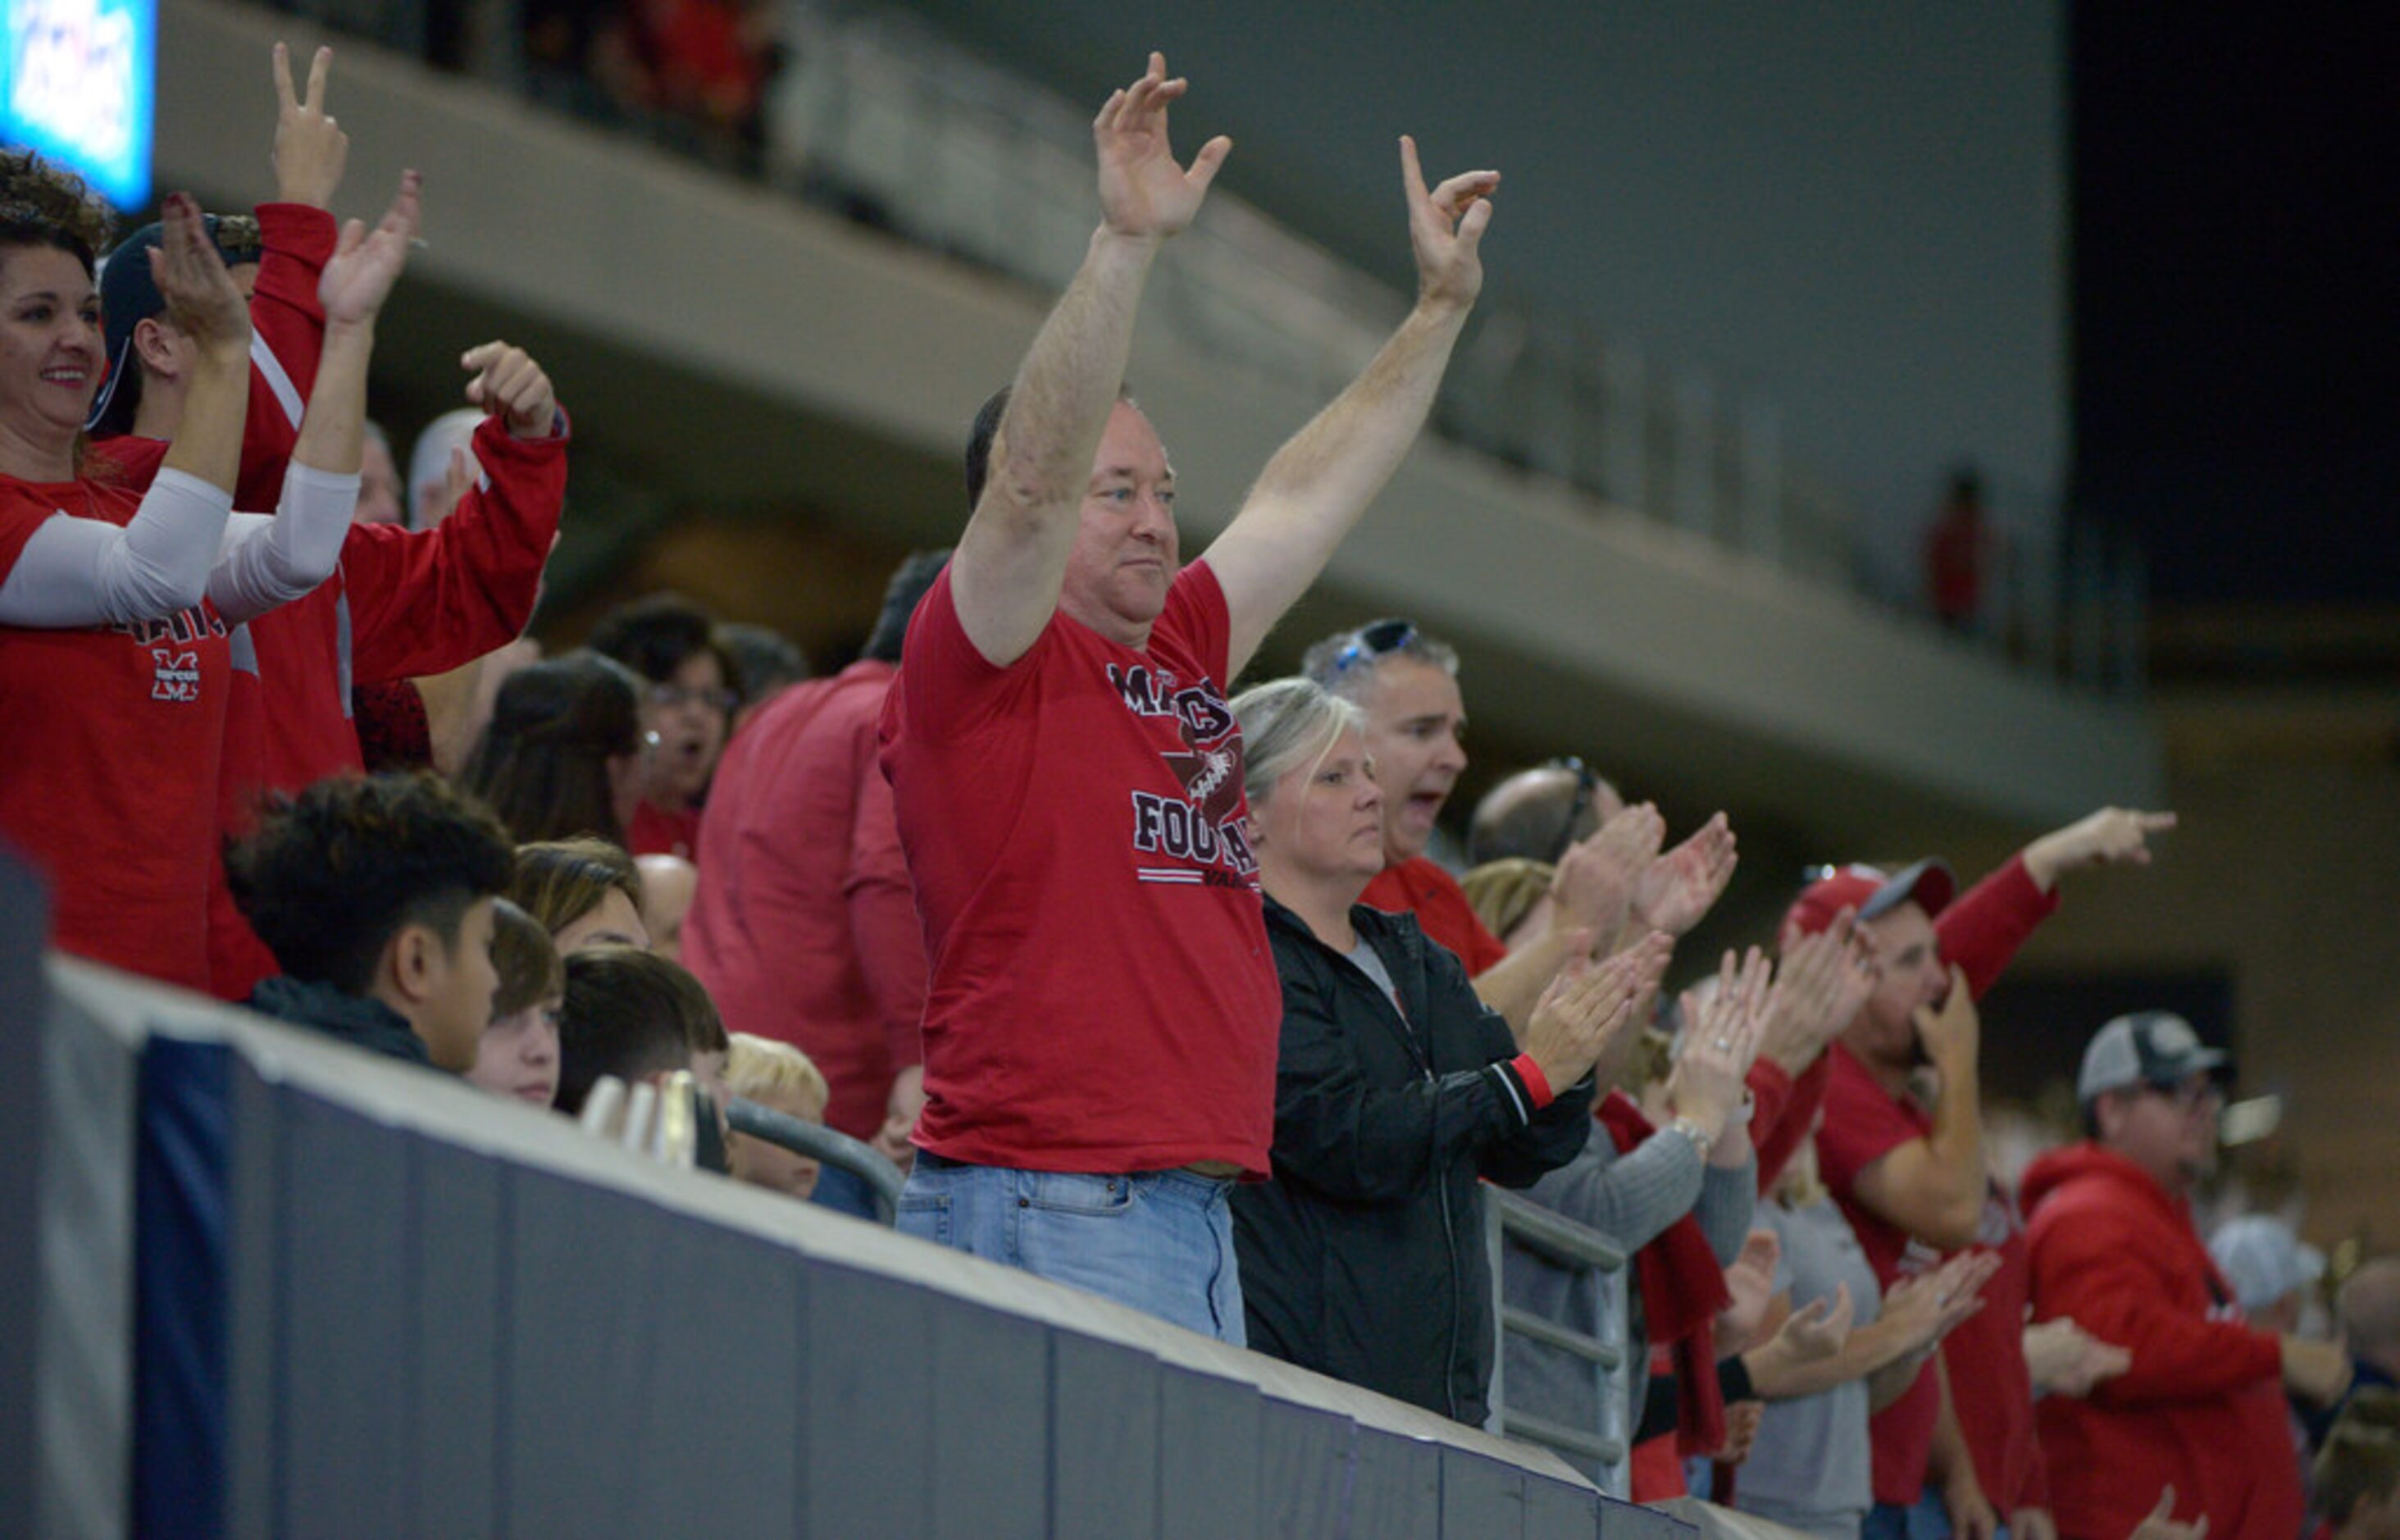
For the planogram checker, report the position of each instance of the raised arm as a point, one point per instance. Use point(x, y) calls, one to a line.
point(1934, 1187)
point(1012, 561)
point(1310, 495)
point(267, 561)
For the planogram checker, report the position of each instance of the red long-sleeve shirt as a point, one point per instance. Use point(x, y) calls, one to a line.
point(1990, 1384)
point(804, 926)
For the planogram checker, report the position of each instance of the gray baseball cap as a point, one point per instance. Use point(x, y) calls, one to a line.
point(2145, 1048)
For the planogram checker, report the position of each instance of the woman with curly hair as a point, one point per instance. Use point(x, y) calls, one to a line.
point(117, 603)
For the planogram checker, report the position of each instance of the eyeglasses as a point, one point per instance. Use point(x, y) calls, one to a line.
point(668, 697)
point(1372, 640)
point(2187, 1096)
point(1586, 783)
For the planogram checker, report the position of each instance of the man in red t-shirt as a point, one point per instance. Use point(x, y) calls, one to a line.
point(804, 926)
point(1101, 1023)
point(1907, 1163)
point(1611, 886)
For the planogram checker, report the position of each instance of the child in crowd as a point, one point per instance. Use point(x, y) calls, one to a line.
point(780, 1078)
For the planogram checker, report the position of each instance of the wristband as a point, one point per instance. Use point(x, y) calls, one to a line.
point(1538, 1084)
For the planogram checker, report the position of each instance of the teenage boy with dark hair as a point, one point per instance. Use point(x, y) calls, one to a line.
point(376, 897)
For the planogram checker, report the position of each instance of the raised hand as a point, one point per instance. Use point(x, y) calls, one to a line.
point(1446, 229)
point(364, 265)
point(1595, 884)
point(1143, 193)
point(1589, 1007)
point(1682, 885)
point(509, 384)
point(1924, 1309)
point(2112, 837)
point(199, 295)
point(310, 148)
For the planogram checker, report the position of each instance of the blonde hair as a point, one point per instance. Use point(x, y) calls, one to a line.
point(1503, 892)
point(1286, 722)
point(758, 1066)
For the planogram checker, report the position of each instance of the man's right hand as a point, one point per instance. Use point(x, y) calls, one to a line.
point(1144, 194)
point(1950, 1033)
point(2317, 1371)
point(1595, 878)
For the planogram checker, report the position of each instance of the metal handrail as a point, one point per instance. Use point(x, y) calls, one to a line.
point(818, 1142)
point(1562, 1241)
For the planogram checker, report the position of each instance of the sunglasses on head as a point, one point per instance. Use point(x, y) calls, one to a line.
point(1586, 784)
point(1373, 640)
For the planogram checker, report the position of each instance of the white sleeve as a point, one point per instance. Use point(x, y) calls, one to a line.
point(87, 572)
point(273, 561)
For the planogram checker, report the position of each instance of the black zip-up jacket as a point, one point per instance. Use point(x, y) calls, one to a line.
point(1363, 1258)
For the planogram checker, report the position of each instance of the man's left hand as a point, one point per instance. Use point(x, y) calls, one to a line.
point(2113, 836)
point(1446, 229)
point(2032, 1524)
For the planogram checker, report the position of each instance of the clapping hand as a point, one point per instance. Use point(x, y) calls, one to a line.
point(1820, 984)
point(200, 299)
point(1143, 193)
point(1722, 1033)
point(1593, 888)
point(360, 274)
point(1682, 885)
point(1589, 1007)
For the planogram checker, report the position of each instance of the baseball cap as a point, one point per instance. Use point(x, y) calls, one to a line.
point(1871, 891)
point(128, 296)
point(2263, 1259)
point(2144, 1048)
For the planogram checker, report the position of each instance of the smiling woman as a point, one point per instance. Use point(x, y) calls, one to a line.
point(121, 598)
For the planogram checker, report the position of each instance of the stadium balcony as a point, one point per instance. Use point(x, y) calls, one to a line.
point(1630, 558)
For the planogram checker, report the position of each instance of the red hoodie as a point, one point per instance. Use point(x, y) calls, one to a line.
point(2202, 1406)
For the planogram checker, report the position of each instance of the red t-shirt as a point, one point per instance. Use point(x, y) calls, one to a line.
point(657, 831)
point(1862, 1124)
point(1102, 996)
point(804, 925)
point(109, 780)
point(1422, 888)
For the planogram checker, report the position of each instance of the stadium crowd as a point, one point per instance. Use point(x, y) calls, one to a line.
point(1149, 984)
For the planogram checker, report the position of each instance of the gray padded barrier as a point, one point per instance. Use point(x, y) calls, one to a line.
point(449, 1314)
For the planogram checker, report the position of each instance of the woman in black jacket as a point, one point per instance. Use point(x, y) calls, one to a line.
point(1395, 1088)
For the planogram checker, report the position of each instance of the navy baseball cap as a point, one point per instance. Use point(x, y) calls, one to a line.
point(128, 296)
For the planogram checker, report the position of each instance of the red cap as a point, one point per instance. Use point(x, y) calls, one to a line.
point(1871, 892)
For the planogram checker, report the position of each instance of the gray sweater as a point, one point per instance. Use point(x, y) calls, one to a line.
point(1631, 1199)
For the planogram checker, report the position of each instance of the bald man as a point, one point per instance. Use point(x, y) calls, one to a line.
point(1535, 814)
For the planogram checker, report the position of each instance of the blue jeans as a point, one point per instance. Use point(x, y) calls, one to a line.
point(1159, 1241)
point(844, 1192)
